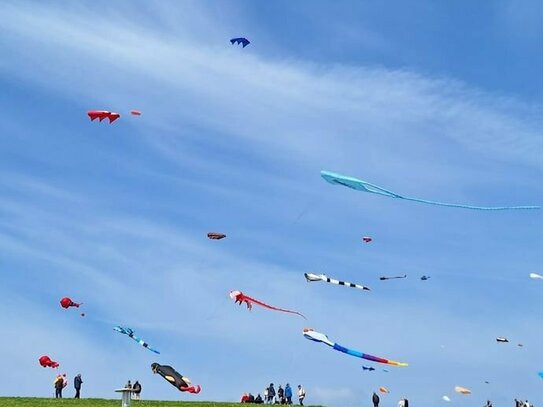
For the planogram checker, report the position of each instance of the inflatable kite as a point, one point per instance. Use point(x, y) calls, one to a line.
point(67, 303)
point(367, 239)
point(130, 333)
point(135, 113)
point(462, 390)
point(216, 236)
point(424, 278)
point(45, 361)
point(322, 277)
point(383, 390)
point(536, 276)
point(540, 374)
point(370, 368)
point(446, 398)
point(240, 298)
point(364, 186)
point(392, 278)
point(243, 41)
point(179, 381)
point(103, 114)
point(502, 339)
point(319, 337)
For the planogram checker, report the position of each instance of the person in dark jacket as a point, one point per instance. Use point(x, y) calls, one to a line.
point(375, 399)
point(258, 399)
point(137, 390)
point(59, 385)
point(77, 385)
point(281, 395)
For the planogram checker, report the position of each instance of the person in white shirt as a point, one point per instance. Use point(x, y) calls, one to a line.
point(301, 394)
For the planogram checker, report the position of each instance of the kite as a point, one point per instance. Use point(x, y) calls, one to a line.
point(446, 398)
point(502, 339)
point(240, 298)
point(392, 278)
point(462, 390)
point(367, 239)
point(130, 333)
point(383, 390)
point(45, 361)
point(103, 114)
point(540, 374)
point(536, 276)
point(323, 277)
point(520, 345)
point(67, 303)
point(135, 113)
point(243, 41)
point(175, 378)
point(315, 336)
point(216, 236)
point(364, 186)
point(424, 278)
point(370, 368)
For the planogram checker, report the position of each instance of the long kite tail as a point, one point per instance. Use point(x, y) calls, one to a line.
point(345, 283)
point(479, 208)
point(262, 304)
point(367, 357)
point(143, 343)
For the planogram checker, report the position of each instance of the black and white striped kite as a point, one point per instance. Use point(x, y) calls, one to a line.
point(323, 277)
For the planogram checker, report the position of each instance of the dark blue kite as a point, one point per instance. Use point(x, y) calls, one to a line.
point(241, 40)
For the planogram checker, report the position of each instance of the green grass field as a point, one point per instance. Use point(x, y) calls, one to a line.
point(50, 402)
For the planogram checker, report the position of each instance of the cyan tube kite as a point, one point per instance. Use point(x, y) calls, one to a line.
point(364, 186)
point(130, 333)
point(319, 337)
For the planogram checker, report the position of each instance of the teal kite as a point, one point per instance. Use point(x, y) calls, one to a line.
point(364, 186)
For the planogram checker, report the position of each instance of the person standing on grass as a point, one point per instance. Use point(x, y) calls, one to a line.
point(58, 383)
point(301, 394)
point(77, 385)
point(137, 390)
point(375, 399)
point(288, 393)
point(271, 394)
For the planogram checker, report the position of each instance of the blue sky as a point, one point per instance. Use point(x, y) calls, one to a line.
point(439, 101)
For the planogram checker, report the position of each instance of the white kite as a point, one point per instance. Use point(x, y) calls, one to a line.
point(536, 276)
point(323, 277)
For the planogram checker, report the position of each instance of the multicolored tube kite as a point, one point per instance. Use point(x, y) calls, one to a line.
point(130, 333)
point(315, 336)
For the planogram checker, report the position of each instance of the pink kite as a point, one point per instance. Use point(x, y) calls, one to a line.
point(240, 298)
point(45, 361)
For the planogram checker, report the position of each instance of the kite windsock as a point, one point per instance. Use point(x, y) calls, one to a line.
point(536, 276)
point(241, 40)
point(315, 336)
point(240, 298)
point(67, 303)
point(360, 185)
point(323, 277)
point(175, 378)
point(135, 113)
point(130, 333)
point(45, 361)
point(462, 390)
point(392, 278)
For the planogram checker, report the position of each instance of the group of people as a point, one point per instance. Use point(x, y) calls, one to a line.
point(520, 403)
point(136, 389)
point(271, 396)
point(61, 381)
point(402, 403)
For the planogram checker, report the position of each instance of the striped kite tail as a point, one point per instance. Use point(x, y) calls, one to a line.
point(346, 284)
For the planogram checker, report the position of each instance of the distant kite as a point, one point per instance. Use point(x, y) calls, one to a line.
point(323, 277)
point(540, 374)
point(446, 398)
point(462, 390)
point(383, 390)
point(179, 381)
point(424, 278)
point(243, 41)
point(370, 368)
point(367, 239)
point(502, 339)
point(240, 298)
point(45, 361)
point(130, 333)
point(103, 114)
point(315, 336)
point(135, 113)
point(364, 186)
point(536, 276)
point(392, 278)
point(216, 236)
point(67, 303)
